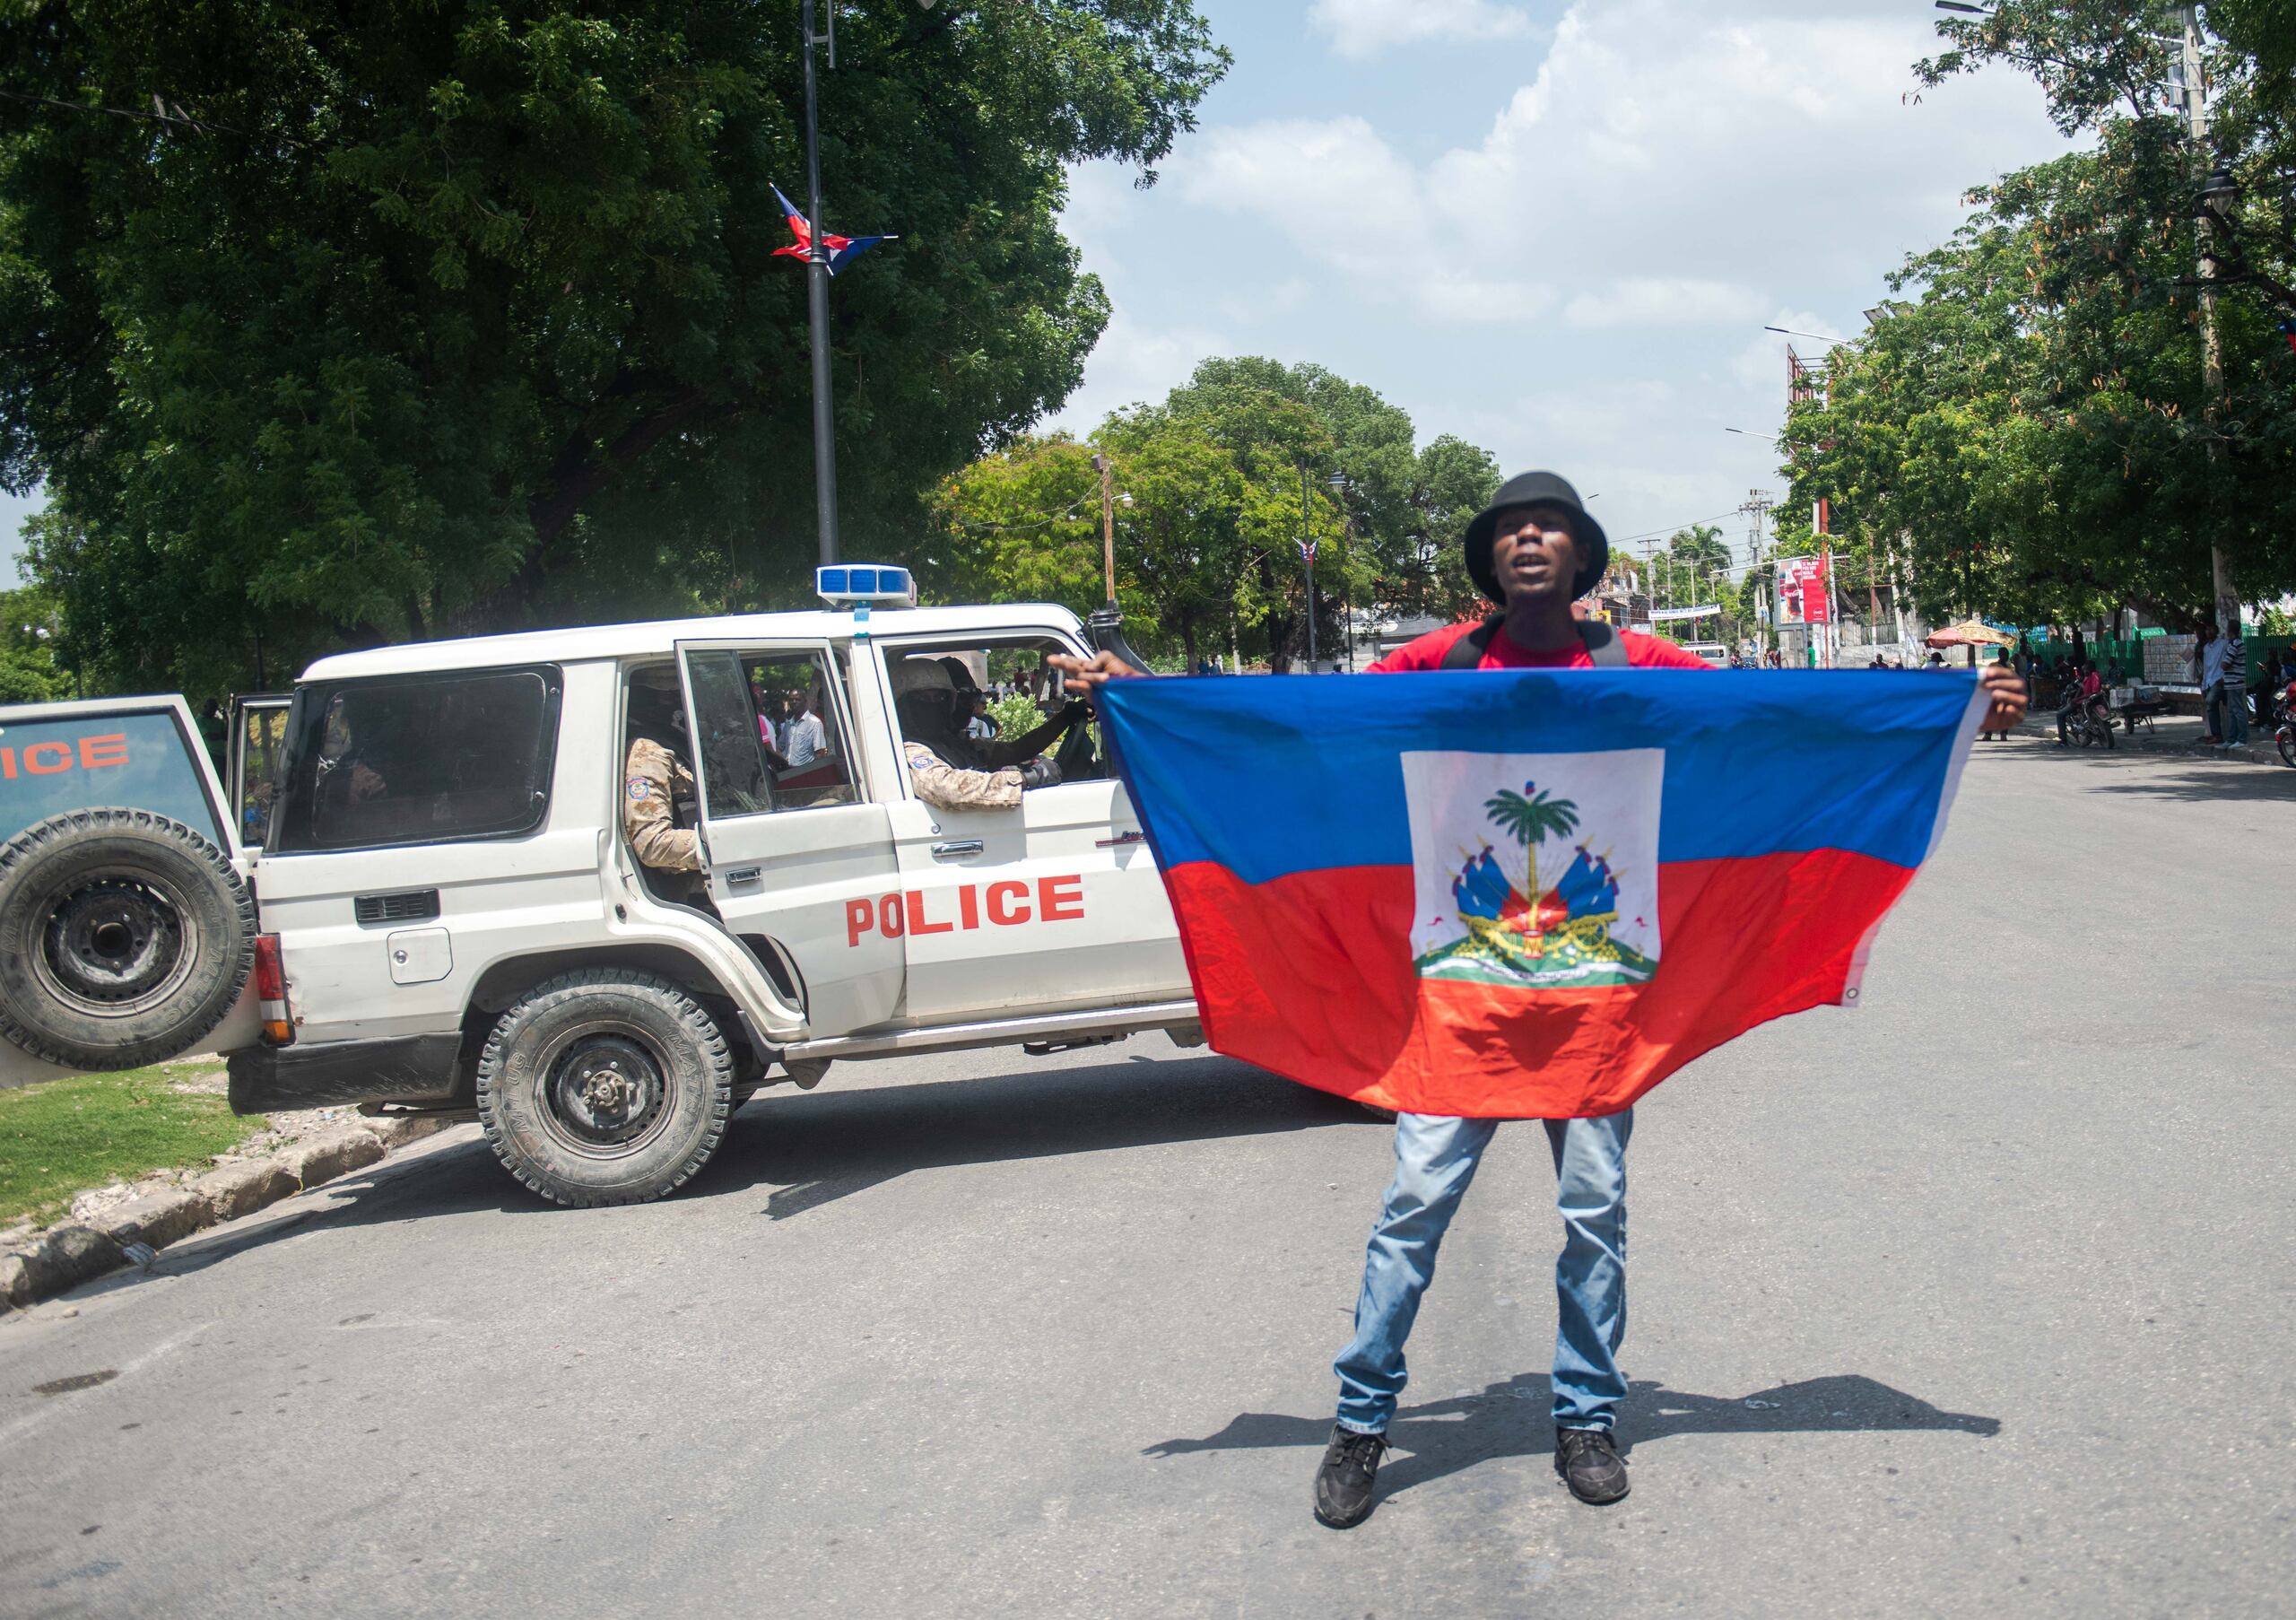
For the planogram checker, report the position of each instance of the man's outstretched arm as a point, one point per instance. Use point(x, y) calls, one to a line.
point(2002, 683)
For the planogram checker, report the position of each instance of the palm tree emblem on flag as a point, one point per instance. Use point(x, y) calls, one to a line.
point(1507, 926)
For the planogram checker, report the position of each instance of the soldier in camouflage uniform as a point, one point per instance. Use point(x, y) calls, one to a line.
point(924, 696)
point(654, 778)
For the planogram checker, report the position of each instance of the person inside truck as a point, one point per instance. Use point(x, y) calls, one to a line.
point(656, 779)
point(994, 753)
point(942, 761)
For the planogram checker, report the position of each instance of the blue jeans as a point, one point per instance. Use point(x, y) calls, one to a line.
point(1436, 1156)
point(2236, 714)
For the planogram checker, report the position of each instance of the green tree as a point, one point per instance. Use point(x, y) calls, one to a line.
point(1451, 482)
point(1221, 482)
point(2029, 431)
point(1183, 531)
point(29, 672)
point(377, 322)
point(2030, 435)
point(1022, 524)
point(1261, 414)
point(1693, 567)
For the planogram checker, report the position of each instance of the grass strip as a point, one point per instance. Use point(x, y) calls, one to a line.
point(60, 1136)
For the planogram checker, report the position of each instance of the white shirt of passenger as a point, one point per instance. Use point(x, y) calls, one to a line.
point(803, 738)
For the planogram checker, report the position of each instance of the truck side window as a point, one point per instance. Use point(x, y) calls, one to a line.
point(769, 730)
point(420, 759)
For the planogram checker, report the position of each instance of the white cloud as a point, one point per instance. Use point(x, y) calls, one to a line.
point(1133, 363)
point(1344, 197)
point(1665, 164)
point(1361, 29)
point(1662, 300)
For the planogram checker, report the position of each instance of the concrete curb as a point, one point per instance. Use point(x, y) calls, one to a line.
point(64, 1257)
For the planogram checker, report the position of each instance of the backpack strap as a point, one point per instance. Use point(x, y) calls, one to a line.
point(1466, 652)
point(1603, 645)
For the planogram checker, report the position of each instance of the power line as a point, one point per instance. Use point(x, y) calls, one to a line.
point(1674, 529)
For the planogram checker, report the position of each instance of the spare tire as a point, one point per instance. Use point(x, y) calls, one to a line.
point(125, 938)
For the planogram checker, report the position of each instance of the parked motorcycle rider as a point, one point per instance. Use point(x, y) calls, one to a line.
point(2083, 706)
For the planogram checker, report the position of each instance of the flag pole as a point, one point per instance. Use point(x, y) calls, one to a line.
point(817, 307)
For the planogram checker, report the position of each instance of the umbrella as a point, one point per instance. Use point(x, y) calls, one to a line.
point(1970, 632)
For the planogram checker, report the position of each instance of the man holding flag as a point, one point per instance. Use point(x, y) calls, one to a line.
point(1535, 550)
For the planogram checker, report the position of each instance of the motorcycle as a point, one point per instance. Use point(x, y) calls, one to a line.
point(2084, 721)
point(2284, 724)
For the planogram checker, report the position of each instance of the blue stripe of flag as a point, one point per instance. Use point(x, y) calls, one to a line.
point(1277, 775)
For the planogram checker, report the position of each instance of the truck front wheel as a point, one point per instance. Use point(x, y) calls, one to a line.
point(604, 1086)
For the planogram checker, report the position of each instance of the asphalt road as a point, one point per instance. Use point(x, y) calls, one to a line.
point(1977, 1300)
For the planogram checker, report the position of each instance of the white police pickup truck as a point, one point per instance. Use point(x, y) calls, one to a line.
point(428, 902)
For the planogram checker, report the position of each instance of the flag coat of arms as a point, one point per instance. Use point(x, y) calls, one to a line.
point(1530, 893)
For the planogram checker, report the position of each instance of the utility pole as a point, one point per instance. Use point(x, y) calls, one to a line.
point(1757, 509)
point(2211, 350)
point(1307, 556)
point(1341, 488)
point(817, 293)
point(1107, 470)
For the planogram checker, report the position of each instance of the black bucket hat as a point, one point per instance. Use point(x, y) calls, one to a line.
point(1528, 489)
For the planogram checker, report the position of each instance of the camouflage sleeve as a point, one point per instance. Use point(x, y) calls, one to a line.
point(649, 780)
point(945, 786)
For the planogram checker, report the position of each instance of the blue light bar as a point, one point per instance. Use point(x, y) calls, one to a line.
point(876, 583)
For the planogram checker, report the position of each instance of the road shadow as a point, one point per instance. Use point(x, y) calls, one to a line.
point(819, 1147)
point(2180, 776)
point(824, 1145)
point(1440, 1438)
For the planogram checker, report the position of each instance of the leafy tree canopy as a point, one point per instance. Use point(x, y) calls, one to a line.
point(1222, 479)
point(2028, 429)
point(366, 323)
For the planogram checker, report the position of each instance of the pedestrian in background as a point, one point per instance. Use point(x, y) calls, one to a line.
point(2208, 669)
point(2235, 682)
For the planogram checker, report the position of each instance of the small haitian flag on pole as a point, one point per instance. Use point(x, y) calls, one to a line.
point(842, 249)
point(1530, 893)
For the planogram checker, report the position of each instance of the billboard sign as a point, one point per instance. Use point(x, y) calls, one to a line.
point(1803, 596)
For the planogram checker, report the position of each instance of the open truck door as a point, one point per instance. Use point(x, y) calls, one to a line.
point(258, 741)
point(127, 927)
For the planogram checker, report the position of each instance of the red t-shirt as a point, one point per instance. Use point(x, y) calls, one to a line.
point(1642, 652)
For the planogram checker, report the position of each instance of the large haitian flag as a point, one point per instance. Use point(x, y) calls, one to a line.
point(1530, 893)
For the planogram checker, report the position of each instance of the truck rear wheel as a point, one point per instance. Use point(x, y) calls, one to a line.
point(604, 1086)
point(125, 938)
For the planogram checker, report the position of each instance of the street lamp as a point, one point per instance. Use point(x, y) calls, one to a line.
point(817, 292)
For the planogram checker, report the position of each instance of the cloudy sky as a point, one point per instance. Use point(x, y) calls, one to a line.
point(1556, 230)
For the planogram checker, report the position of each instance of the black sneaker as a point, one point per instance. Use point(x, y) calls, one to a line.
point(1589, 1463)
point(1344, 1483)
